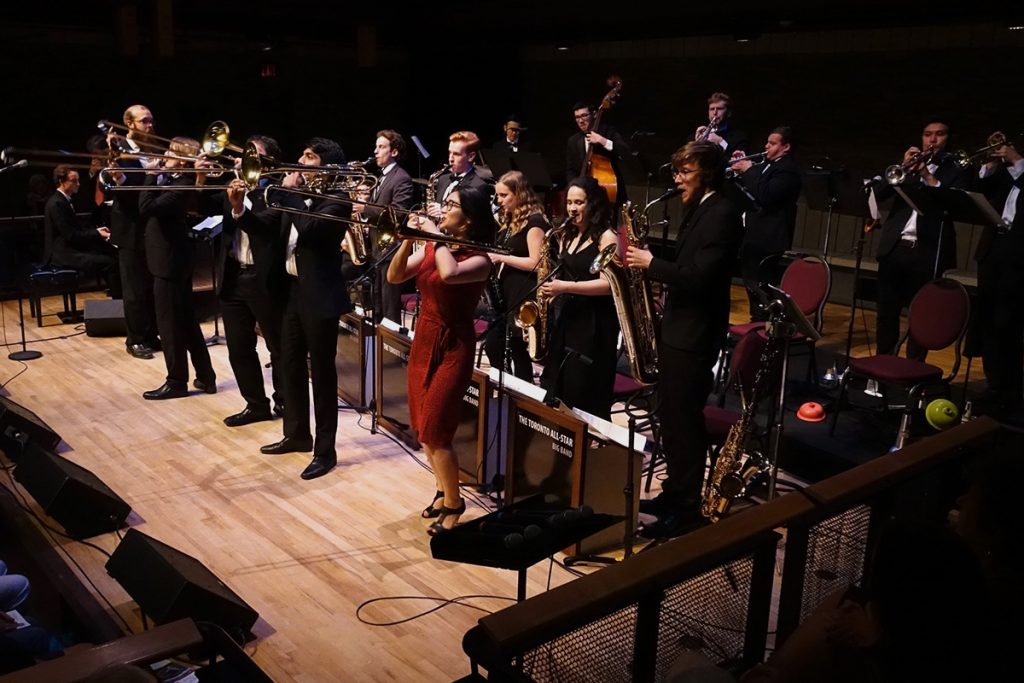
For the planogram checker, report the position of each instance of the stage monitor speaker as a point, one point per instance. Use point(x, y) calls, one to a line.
point(20, 427)
point(167, 584)
point(71, 494)
point(105, 318)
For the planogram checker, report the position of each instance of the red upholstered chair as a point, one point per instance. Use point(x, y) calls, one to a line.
point(410, 305)
point(937, 319)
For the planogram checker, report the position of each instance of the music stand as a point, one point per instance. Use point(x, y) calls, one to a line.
point(960, 206)
point(834, 191)
point(785, 319)
point(530, 164)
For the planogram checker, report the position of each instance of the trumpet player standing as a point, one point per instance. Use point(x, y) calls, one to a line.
point(768, 227)
point(914, 249)
point(1000, 254)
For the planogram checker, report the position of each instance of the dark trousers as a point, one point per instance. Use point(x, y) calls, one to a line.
point(758, 265)
point(685, 382)
point(389, 297)
point(1000, 313)
point(901, 275)
point(494, 347)
point(180, 333)
point(137, 287)
point(304, 333)
point(245, 302)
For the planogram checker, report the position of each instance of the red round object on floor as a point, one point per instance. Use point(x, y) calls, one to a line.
point(811, 412)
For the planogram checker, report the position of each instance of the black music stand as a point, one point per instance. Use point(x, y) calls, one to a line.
point(530, 164)
point(785, 319)
point(834, 191)
point(960, 206)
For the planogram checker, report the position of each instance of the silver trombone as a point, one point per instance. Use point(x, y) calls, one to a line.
point(388, 229)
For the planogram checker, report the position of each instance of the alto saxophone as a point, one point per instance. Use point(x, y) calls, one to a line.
point(634, 300)
point(532, 316)
point(737, 464)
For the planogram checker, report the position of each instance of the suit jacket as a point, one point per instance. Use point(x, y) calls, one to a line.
point(64, 236)
point(472, 179)
point(503, 145)
point(699, 276)
point(996, 188)
point(735, 139)
point(576, 154)
point(775, 187)
point(395, 189)
point(170, 251)
point(127, 230)
point(930, 226)
point(318, 256)
point(263, 228)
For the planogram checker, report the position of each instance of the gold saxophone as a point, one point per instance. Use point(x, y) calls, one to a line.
point(634, 300)
point(532, 316)
point(737, 464)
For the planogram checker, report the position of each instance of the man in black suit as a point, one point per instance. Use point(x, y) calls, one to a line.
point(915, 249)
point(68, 242)
point(512, 142)
point(720, 128)
point(692, 329)
point(127, 233)
point(393, 189)
point(463, 146)
point(170, 255)
point(251, 290)
point(316, 299)
point(1000, 302)
point(606, 142)
point(774, 188)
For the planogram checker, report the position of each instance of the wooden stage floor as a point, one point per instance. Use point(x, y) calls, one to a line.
point(305, 555)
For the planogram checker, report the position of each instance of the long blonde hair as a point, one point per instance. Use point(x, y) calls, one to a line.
point(527, 203)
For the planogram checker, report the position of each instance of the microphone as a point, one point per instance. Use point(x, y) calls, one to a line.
point(17, 164)
point(668, 195)
point(586, 360)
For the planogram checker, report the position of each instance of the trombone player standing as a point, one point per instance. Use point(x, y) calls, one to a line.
point(315, 298)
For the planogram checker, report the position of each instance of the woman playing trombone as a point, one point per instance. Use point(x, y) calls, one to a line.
point(450, 280)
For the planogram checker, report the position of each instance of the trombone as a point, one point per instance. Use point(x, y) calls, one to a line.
point(996, 140)
point(388, 232)
point(330, 178)
point(107, 183)
point(120, 133)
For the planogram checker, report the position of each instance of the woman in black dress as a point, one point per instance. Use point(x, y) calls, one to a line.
point(523, 225)
point(584, 342)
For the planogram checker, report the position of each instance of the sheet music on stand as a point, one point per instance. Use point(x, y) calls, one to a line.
point(964, 206)
point(520, 386)
point(611, 431)
point(209, 227)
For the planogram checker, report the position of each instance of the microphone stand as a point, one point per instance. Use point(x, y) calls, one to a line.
point(25, 353)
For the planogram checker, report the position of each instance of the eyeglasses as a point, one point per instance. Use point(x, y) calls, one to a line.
point(451, 204)
point(683, 172)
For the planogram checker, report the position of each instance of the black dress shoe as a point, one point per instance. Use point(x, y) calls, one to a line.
point(319, 466)
point(247, 416)
point(287, 445)
point(140, 351)
point(167, 390)
point(207, 386)
point(673, 524)
point(155, 345)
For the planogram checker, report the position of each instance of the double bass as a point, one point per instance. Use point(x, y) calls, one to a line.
point(597, 166)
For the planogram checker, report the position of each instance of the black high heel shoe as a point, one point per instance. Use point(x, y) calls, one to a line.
point(438, 527)
point(430, 511)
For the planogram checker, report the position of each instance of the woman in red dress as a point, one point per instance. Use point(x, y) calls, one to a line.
point(450, 281)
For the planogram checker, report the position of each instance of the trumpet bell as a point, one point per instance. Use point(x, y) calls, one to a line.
point(216, 139)
point(895, 174)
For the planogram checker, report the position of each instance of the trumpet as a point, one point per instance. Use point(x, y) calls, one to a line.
point(995, 141)
point(756, 157)
point(712, 127)
point(388, 227)
point(896, 174)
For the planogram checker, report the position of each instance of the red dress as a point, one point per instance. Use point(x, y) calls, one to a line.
point(441, 358)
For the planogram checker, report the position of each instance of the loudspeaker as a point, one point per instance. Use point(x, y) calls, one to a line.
point(19, 427)
point(167, 584)
point(105, 318)
point(71, 494)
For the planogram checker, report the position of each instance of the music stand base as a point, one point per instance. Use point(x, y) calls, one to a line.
point(25, 355)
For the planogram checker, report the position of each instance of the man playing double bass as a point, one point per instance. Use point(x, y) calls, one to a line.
point(605, 141)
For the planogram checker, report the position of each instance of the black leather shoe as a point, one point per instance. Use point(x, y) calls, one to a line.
point(166, 391)
point(319, 466)
point(140, 351)
point(247, 416)
point(206, 386)
point(155, 345)
point(287, 445)
point(279, 409)
point(674, 524)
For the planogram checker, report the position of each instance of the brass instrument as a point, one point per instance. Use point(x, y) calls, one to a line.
point(216, 140)
point(896, 174)
point(108, 184)
point(357, 237)
point(120, 132)
point(329, 178)
point(388, 228)
point(756, 158)
point(737, 464)
point(532, 316)
point(996, 140)
point(712, 127)
point(634, 300)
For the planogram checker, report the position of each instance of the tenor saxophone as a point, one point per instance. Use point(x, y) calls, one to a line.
point(634, 300)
